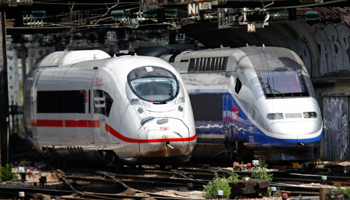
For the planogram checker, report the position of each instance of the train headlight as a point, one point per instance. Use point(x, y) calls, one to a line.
point(140, 111)
point(273, 116)
point(181, 109)
point(310, 114)
point(139, 108)
point(180, 102)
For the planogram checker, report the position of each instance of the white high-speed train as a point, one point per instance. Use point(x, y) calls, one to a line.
point(251, 100)
point(85, 105)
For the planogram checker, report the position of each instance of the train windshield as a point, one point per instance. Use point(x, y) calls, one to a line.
point(282, 82)
point(155, 89)
point(153, 84)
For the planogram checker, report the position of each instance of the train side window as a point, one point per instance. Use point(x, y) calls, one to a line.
point(207, 64)
point(238, 85)
point(212, 103)
point(72, 101)
point(192, 65)
point(89, 97)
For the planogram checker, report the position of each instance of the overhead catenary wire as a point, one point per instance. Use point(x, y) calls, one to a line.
point(84, 4)
point(89, 10)
point(313, 4)
point(109, 9)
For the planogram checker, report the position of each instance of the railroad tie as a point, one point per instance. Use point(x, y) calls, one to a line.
point(252, 188)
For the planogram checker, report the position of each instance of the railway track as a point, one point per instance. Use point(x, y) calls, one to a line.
point(139, 183)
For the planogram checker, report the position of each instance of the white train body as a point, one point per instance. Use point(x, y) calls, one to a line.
point(255, 98)
point(87, 105)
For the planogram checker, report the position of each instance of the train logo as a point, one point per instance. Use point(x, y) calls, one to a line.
point(235, 113)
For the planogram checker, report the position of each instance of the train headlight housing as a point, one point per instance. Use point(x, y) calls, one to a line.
point(310, 115)
point(273, 116)
point(180, 102)
point(181, 109)
point(141, 111)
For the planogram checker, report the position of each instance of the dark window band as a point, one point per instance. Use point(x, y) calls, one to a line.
point(207, 107)
point(72, 101)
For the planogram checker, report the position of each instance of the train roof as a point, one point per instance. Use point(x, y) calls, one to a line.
point(272, 58)
point(63, 58)
point(259, 58)
point(85, 60)
point(77, 72)
point(81, 58)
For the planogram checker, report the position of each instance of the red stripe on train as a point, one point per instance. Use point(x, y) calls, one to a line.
point(131, 140)
point(82, 123)
point(48, 123)
point(96, 124)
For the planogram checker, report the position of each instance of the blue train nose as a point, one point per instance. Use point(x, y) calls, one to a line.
point(294, 134)
point(163, 137)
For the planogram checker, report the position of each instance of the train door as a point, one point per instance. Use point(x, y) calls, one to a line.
point(238, 116)
point(89, 116)
point(100, 110)
point(33, 105)
point(88, 107)
point(226, 114)
point(101, 107)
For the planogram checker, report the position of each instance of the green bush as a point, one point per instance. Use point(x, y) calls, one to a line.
point(233, 177)
point(344, 191)
point(6, 173)
point(262, 174)
point(210, 191)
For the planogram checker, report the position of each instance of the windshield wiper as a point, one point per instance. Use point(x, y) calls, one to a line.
point(171, 92)
point(270, 88)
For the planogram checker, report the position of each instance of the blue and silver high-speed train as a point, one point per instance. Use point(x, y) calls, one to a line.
point(251, 101)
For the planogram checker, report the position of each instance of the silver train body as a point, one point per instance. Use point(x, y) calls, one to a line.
point(251, 101)
point(85, 105)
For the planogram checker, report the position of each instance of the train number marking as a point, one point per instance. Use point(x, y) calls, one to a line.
point(164, 128)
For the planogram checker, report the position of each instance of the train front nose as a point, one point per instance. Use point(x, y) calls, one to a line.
point(293, 134)
point(163, 137)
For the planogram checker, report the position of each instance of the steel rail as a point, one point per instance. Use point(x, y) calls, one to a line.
point(127, 187)
point(161, 180)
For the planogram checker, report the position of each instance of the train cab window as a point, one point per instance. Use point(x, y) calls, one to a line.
point(238, 85)
point(283, 84)
point(153, 84)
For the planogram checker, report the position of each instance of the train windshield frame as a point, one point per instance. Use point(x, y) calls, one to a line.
point(284, 83)
point(153, 84)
